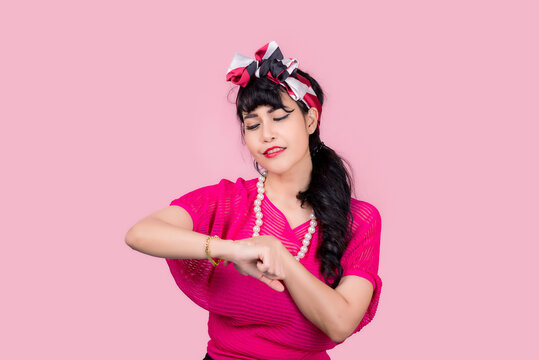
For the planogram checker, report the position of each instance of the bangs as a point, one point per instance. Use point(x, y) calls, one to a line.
point(259, 92)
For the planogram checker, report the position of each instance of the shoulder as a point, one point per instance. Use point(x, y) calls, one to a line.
point(227, 185)
point(217, 194)
point(226, 188)
point(364, 243)
point(364, 214)
point(240, 185)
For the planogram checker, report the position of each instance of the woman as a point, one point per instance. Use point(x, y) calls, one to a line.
point(304, 252)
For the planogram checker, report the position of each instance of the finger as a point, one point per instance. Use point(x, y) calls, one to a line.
point(271, 276)
point(239, 270)
point(266, 271)
point(262, 267)
point(275, 267)
point(274, 284)
point(277, 285)
point(270, 271)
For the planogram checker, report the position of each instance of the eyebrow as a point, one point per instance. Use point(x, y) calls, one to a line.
point(253, 115)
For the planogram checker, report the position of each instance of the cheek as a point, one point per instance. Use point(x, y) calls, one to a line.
point(249, 142)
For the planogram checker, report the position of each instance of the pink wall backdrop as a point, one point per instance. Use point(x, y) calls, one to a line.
point(111, 109)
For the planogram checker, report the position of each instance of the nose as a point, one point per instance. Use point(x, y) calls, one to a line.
point(267, 132)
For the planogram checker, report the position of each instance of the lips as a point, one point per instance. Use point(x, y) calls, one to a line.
point(275, 153)
point(274, 147)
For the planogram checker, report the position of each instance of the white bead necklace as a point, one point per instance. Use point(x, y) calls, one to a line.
point(258, 213)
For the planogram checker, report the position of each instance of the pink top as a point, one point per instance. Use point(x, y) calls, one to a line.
point(248, 319)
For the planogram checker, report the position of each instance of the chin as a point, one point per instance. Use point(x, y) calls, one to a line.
point(276, 169)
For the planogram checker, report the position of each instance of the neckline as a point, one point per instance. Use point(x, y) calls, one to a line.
point(294, 230)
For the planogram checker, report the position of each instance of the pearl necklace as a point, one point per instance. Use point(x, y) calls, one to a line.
point(258, 213)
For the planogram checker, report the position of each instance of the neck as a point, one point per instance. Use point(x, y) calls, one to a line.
point(282, 188)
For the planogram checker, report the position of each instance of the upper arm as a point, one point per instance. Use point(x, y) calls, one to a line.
point(174, 215)
point(192, 210)
point(360, 284)
point(357, 291)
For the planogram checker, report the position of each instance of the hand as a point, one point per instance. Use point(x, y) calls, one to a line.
point(260, 257)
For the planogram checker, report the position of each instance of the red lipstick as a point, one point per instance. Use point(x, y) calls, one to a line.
point(273, 154)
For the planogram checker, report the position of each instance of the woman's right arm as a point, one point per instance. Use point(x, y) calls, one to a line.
point(168, 233)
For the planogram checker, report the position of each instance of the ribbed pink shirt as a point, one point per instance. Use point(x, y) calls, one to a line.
point(248, 319)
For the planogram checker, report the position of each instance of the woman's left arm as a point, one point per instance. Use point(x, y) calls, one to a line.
point(337, 312)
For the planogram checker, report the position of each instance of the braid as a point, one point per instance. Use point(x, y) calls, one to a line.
point(318, 147)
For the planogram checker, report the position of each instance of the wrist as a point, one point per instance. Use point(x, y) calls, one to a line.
point(221, 248)
point(289, 261)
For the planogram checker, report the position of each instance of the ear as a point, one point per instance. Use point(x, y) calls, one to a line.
point(312, 119)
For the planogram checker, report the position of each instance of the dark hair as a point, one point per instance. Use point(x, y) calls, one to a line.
point(330, 189)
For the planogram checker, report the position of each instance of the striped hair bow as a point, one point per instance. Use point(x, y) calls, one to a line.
point(269, 62)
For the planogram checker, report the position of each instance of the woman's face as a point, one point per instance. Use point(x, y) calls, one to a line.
point(266, 128)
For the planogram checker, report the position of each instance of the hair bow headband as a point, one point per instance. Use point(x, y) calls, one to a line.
point(269, 62)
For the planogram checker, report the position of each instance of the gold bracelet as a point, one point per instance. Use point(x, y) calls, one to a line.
point(208, 250)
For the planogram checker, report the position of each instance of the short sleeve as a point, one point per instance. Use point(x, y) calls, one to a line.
point(362, 255)
point(201, 204)
point(194, 275)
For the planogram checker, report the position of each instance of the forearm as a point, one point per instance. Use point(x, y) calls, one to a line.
point(323, 306)
point(161, 239)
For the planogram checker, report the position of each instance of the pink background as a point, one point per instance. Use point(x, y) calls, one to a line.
point(111, 109)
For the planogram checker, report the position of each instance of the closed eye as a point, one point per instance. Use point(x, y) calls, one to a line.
point(252, 127)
